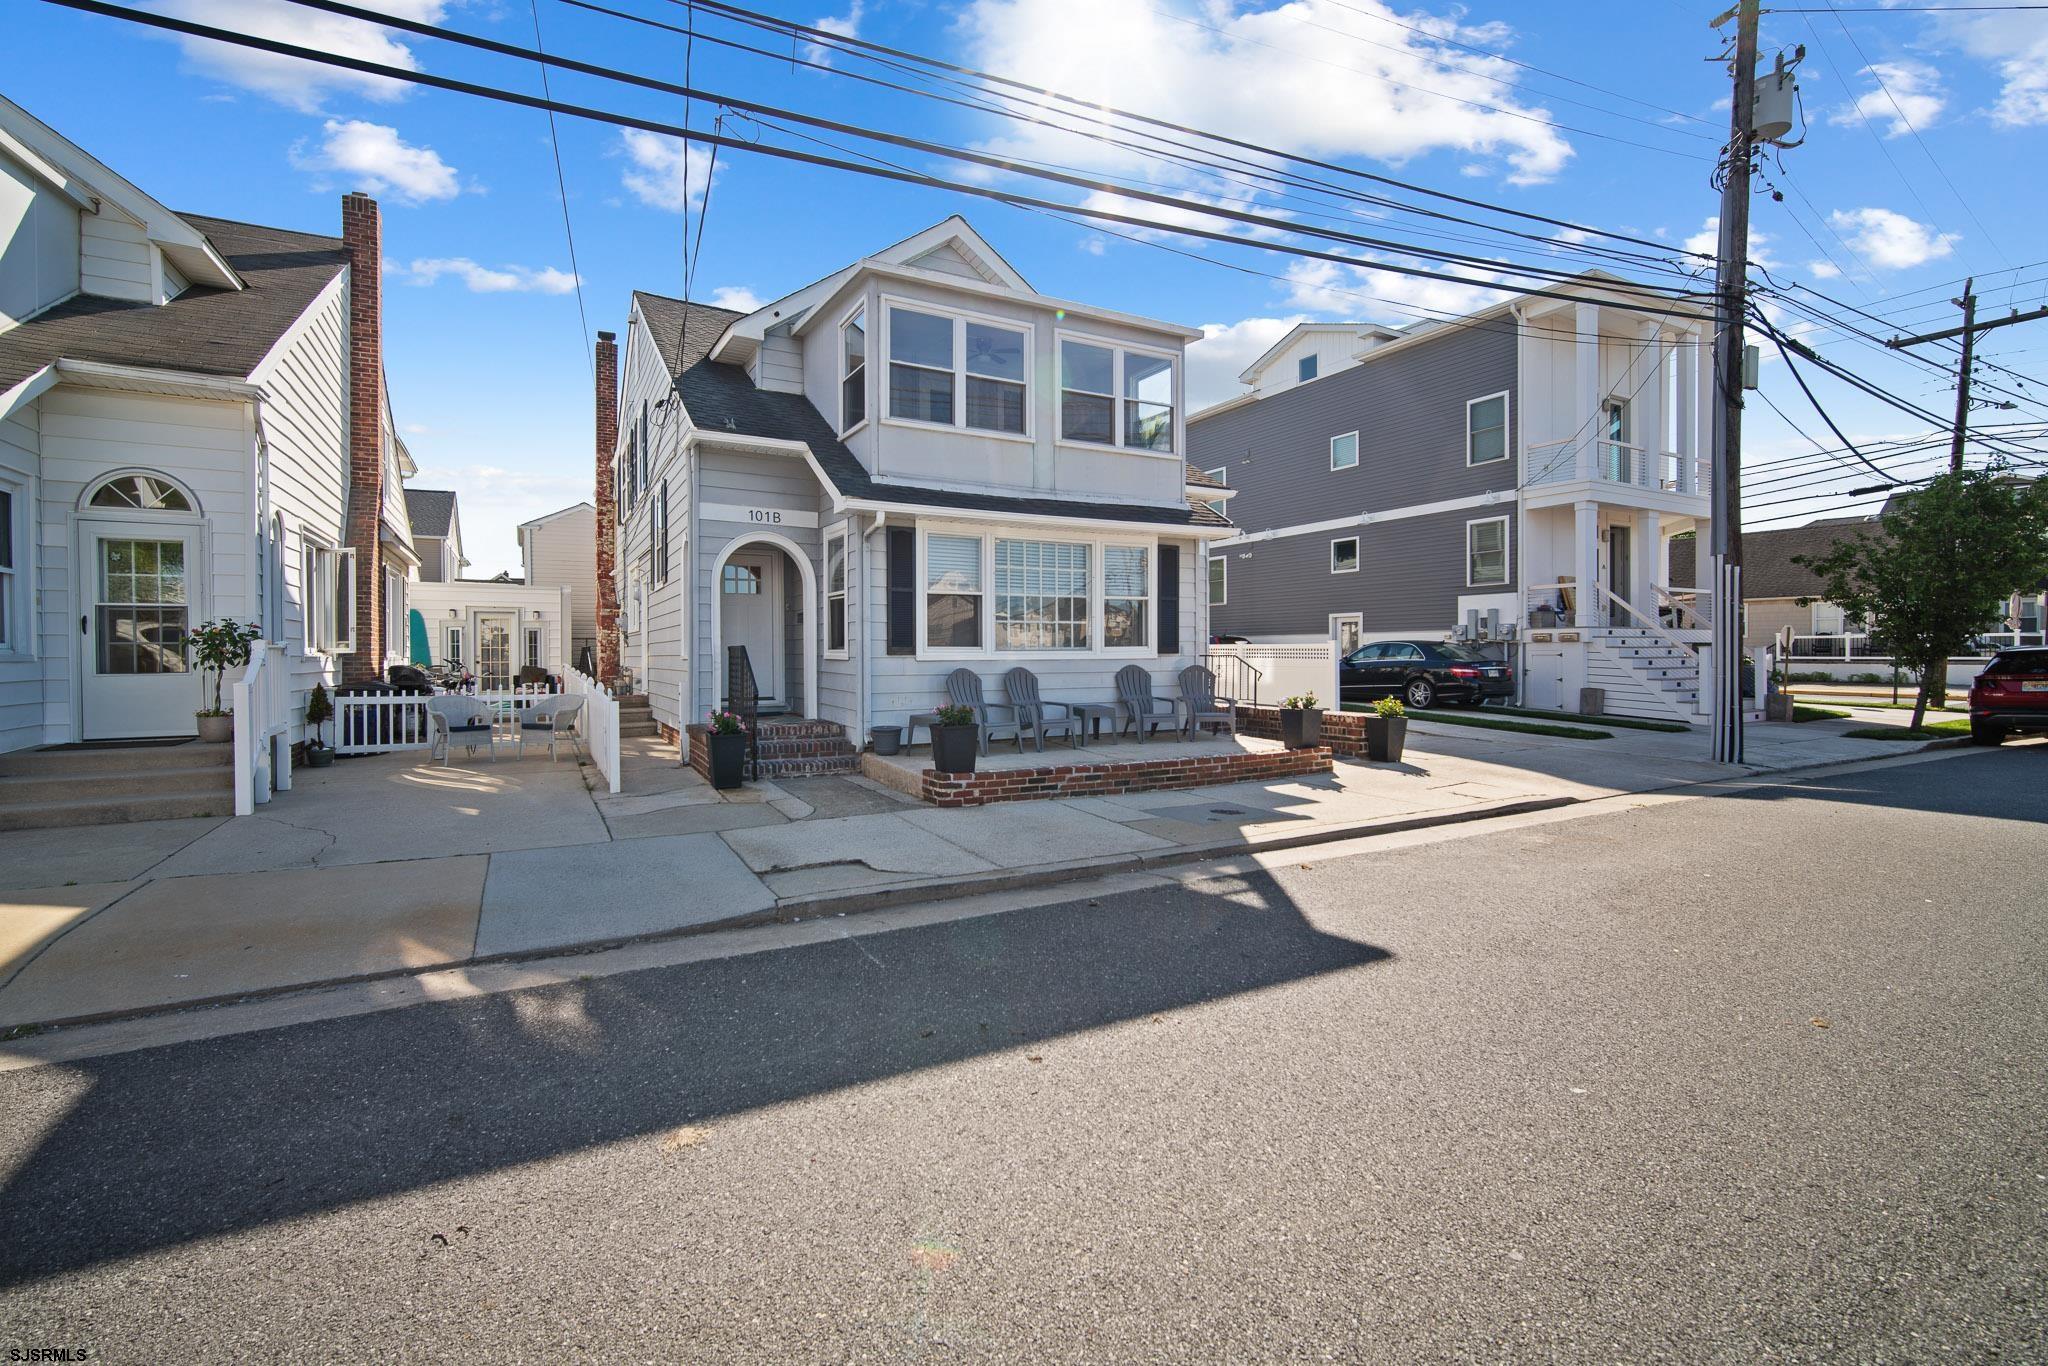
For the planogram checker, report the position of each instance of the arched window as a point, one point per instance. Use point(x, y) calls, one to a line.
point(145, 492)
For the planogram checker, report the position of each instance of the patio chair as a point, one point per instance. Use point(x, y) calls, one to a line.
point(1204, 707)
point(553, 717)
point(997, 720)
point(1141, 708)
point(1037, 716)
point(452, 717)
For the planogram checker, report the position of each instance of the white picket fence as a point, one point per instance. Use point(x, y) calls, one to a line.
point(1289, 670)
point(263, 749)
point(597, 723)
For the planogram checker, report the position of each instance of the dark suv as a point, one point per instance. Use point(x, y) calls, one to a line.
point(1422, 673)
point(2010, 697)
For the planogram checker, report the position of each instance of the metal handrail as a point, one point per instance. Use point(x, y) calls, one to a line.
point(743, 699)
point(1610, 595)
point(1236, 676)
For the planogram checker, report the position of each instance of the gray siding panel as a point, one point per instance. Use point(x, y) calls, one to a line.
point(1410, 575)
point(1408, 409)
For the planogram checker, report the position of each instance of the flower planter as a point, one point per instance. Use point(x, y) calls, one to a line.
point(1301, 728)
point(216, 730)
point(953, 748)
point(318, 756)
point(728, 760)
point(1385, 737)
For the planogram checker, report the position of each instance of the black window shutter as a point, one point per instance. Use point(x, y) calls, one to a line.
point(1169, 599)
point(902, 591)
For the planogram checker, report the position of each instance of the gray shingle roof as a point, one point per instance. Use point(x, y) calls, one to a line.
point(1767, 568)
point(1204, 479)
point(720, 397)
point(202, 331)
point(430, 510)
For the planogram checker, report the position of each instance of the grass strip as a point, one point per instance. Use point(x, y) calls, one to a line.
point(1625, 722)
point(1467, 719)
point(1937, 730)
point(1818, 714)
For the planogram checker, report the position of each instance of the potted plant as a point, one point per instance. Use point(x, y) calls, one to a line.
point(955, 739)
point(1386, 731)
point(220, 646)
point(1301, 722)
point(319, 710)
point(727, 736)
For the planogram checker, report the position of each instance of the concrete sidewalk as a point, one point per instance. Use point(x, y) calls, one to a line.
point(388, 864)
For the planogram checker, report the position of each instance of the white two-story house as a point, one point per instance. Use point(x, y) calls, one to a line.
point(916, 464)
point(1515, 477)
point(193, 426)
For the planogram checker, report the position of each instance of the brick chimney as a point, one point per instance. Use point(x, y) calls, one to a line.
point(362, 235)
point(607, 508)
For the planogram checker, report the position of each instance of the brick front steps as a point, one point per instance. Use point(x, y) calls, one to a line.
point(1111, 778)
point(636, 717)
point(790, 747)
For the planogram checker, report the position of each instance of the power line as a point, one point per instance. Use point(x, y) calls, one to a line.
point(562, 188)
point(167, 22)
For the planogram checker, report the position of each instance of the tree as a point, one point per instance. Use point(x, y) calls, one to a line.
point(1939, 566)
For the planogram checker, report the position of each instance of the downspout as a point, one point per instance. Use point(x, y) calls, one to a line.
point(274, 563)
point(1521, 575)
point(862, 720)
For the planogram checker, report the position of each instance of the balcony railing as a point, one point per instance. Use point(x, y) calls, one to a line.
point(1844, 647)
point(1615, 462)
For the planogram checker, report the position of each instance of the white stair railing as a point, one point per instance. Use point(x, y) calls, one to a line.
point(262, 718)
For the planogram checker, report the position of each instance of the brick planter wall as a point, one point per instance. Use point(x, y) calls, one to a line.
point(1109, 780)
point(700, 753)
point(1343, 731)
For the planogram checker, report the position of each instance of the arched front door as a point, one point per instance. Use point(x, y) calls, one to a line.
point(141, 576)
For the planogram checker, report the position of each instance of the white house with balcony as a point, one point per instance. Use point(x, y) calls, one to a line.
point(916, 464)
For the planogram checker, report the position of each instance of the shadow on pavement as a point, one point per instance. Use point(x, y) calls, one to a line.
point(185, 1142)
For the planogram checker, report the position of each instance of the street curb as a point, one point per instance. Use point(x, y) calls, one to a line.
point(791, 910)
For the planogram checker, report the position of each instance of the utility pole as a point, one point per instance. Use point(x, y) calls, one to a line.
point(1731, 270)
point(1968, 332)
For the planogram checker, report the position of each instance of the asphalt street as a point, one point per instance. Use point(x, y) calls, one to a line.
point(1716, 1080)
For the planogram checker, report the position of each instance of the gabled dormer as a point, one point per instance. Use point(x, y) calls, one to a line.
point(74, 226)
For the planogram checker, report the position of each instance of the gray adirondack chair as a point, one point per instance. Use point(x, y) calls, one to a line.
point(996, 720)
point(1141, 708)
point(1036, 716)
point(1203, 706)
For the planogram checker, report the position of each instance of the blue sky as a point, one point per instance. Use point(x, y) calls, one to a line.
point(1920, 166)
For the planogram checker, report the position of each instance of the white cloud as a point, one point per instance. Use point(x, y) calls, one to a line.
point(302, 85)
point(1267, 77)
point(1094, 246)
point(1707, 241)
point(1891, 240)
point(494, 501)
point(372, 157)
point(1903, 96)
point(665, 172)
point(489, 279)
point(1822, 270)
point(1367, 291)
point(1225, 349)
point(2016, 44)
point(738, 298)
point(846, 25)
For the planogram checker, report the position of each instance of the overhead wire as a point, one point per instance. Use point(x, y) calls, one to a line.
point(562, 189)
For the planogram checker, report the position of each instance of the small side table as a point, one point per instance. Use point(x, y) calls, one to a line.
point(1091, 715)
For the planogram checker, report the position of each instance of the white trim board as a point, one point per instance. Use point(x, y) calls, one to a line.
point(1492, 498)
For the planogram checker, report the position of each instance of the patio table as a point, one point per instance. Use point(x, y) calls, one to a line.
point(927, 719)
point(1091, 715)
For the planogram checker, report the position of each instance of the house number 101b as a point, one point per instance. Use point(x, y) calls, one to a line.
point(767, 515)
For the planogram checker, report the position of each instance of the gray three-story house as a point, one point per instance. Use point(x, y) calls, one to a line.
point(1514, 476)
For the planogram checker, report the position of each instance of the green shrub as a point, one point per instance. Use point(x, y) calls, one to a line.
point(1389, 706)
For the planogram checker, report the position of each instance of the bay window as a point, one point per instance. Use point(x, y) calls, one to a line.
point(1117, 396)
point(920, 366)
point(853, 371)
point(993, 594)
point(952, 592)
point(952, 370)
point(1042, 600)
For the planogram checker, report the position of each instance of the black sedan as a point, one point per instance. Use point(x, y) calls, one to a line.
point(1422, 673)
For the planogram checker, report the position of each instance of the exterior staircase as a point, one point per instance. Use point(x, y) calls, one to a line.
point(44, 788)
point(792, 747)
point(1644, 674)
point(636, 716)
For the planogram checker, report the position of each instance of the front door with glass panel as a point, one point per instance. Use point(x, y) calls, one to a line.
point(750, 614)
point(494, 666)
point(1620, 568)
point(142, 582)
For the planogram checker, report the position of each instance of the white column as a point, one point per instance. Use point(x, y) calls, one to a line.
point(1695, 384)
point(1588, 388)
point(1586, 562)
point(1646, 419)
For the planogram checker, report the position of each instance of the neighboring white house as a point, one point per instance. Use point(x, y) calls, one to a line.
point(916, 464)
point(182, 438)
point(436, 533)
point(560, 551)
